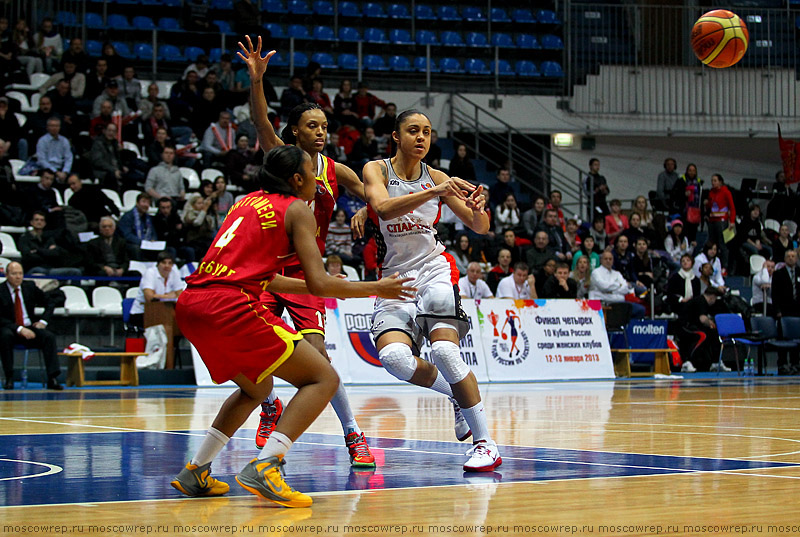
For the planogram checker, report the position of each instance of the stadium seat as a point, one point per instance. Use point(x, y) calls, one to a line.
point(224, 5)
point(118, 22)
point(273, 6)
point(451, 39)
point(10, 249)
point(551, 42)
point(169, 53)
point(448, 13)
point(191, 53)
point(503, 68)
point(552, 69)
point(300, 59)
point(298, 31)
point(141, 22)
point(348, 33)
point(527, 41)
point(214, 55)
point(224, 27)
point(348, 61)
point(374, 11)
point(66, 18)
point(523, 16)
point(498, 14)
point(526, 68)
point(76, 301)
point(94, 48)
point(475, 66)
point(472, 14)
point(400, 63)
point(107, 300)
point(475, 39)
point(323, 7)
point(324, 59)
point(426, 37)
point(375, 35)
point(450, 65)
point(421, 64)
point(298, 7)
point(275, 30)
point(94, 20)
point(169, 23)
point(400, 36)
point(349, 9)
point(278, 60)
point(546, 16)
point(398, 11)
point(373, 62)
point(424, 12)
point(123, 50)
point(324, 33)
point(499, 39)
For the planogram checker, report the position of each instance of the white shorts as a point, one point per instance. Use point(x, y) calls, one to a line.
point(437, 300)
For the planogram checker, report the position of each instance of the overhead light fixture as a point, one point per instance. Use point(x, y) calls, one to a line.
point(563, 139)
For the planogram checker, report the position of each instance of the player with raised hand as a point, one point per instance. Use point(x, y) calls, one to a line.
point(406, 197)
point(238, 337)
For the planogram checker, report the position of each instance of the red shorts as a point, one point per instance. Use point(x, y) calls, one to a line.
point(234, 332)
point(307, 311)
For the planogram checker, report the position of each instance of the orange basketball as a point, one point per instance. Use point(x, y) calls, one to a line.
point(719, 38)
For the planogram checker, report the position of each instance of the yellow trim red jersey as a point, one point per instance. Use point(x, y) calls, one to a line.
point(325, 199)
point(250, 247)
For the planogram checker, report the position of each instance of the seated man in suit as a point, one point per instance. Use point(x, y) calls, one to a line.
point(20, 326)
point(108, 253)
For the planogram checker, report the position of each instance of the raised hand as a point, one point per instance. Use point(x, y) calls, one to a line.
point(256, 65)
point(394, 287)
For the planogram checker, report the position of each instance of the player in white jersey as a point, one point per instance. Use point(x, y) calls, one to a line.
point(406, 196)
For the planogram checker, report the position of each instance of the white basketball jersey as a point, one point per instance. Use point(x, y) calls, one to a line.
point(410, 239)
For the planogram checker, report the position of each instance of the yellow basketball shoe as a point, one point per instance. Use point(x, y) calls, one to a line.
point(197, 481)
point(263, 478)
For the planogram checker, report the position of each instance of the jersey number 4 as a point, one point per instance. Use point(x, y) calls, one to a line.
point(229, 234)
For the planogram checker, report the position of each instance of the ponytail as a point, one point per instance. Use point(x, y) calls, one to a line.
point(280, 164)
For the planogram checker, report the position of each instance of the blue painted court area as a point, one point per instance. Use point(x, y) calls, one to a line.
point(90, 467)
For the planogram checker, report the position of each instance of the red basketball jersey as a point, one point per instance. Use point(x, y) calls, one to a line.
point(250, 247)
point(325, 199)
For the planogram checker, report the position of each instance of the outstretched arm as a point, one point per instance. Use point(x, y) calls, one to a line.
point(257, 66)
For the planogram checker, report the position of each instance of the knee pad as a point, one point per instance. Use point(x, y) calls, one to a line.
point(398, 360)
point(448, 360)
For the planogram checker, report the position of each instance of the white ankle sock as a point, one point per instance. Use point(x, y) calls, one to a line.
point(211, 446)
point(271, 397)
point(440, 385)
point(341, 405)
point(277, 445)
point(476, 419)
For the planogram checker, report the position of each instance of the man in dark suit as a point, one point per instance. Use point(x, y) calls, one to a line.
point(108, 252)
point(20, 326)
point(786, 302)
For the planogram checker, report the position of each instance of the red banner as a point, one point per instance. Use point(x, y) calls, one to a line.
point(789, 156)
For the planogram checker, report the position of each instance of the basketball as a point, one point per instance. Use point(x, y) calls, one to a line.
point(719, 38)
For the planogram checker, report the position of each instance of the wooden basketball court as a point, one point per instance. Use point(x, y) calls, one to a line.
point(705, 456)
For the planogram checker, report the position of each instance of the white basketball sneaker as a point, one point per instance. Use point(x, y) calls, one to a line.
point(462, 427)
point(483, 457)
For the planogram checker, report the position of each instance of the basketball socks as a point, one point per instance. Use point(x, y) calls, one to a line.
point(272, 396)
point(341, 405)
point(211, 446)
point(441, 385)
point(476, 419)
point(277, 446)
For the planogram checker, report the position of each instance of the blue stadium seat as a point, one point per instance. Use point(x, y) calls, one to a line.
point(499, 14)
point(526, 68)
point(475, 39)
point(424, 12)
point(551, 42)
point(475, 66)
point(426, 37)
point(552, 69)
point(226, 5)
point(118, 22)
point(324, 33)
point(527, 41)
point(375, 35)
point(66, 18)
point(215, 54)
point(278, 60)
point(170, 3)
point(143, 51)
point(349, 9)
point(546, 16)
point(447, 13)
point(191, 53)
point(324, 59)
point(400, 63)
point(472, 14)
point(298, 31)
point(94, 48)
point(421, 64)
point(374, 11)
point(275, 30)
point(451, 39)
point(224, 27)
point(94, 20)
point(348, 61)
point(398, 11)
point(298, 7)
point(400, 36)
point(347, 33)
point(523, 16)
point(503, 68)
point(141, 22)
point(323, 7)
point(155, 3)
point(499, 39)
point(273, 6)
point(123, 50)
point(373, 62)
point(170, 53)
point(300, 59)
point(450, 65)
point(168, 23)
